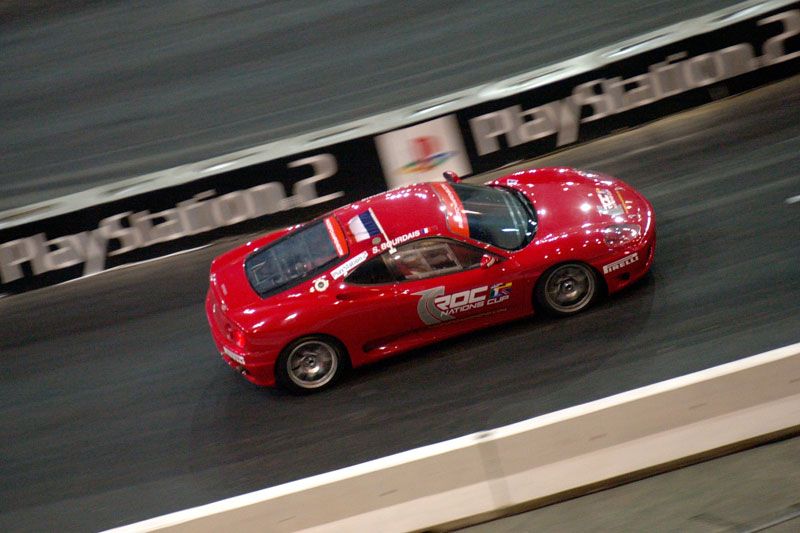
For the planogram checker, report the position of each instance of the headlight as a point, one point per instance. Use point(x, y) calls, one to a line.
point(621, 234)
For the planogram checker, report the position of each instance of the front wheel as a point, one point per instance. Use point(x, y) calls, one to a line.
point(310, 364)
point(566, 289)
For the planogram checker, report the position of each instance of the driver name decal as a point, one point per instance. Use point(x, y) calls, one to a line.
point(401, 239)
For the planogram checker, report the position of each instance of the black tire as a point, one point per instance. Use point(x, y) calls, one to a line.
point(566, 289)
point(310, 364)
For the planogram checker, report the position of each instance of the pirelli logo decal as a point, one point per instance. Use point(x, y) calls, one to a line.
point(616, 265)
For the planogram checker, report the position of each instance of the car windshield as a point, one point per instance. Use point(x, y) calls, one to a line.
point(292, 259)
point(498, 216)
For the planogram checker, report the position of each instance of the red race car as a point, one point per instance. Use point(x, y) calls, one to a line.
point(422, 263)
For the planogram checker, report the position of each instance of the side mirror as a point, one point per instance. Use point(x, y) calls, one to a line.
point(451, 176)
point(488, 260)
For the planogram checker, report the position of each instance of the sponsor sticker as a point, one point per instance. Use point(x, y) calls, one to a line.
point(320, 285)
point(422, 152)
point(608, 202)
point(345, 268)
point(435, 307)
point(616, 265)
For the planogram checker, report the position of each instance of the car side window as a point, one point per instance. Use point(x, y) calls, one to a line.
point(372, 272)
point(427, 258)
point(419, 259)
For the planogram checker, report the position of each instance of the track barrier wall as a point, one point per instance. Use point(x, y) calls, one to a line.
point(484, 474)
point(474, 131)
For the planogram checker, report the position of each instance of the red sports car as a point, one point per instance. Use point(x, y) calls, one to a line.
point(418, 264)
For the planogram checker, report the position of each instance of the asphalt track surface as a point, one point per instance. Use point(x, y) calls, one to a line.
point(94, 91)
point(114, 406)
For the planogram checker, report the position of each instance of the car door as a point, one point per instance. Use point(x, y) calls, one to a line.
point(437, 287)
point(449, 284)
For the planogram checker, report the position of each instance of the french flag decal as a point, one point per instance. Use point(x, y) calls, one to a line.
point(364, 226)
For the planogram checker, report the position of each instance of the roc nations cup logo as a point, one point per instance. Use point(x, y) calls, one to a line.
point(435, 307)
point(422, 152)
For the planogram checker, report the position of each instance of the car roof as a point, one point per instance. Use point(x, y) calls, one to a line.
point(401, 212)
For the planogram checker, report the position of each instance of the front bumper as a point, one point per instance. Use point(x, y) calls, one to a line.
point(626, 267)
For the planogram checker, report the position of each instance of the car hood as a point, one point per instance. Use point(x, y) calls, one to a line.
point(566, 199)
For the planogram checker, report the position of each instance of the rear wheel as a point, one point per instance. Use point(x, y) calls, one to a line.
point(310, 364)
point(566, 289)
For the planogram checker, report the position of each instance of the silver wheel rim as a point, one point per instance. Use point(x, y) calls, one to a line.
point(312, 364)
point(569, 288)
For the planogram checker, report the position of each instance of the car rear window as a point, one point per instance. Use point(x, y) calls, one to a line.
point(295, 258)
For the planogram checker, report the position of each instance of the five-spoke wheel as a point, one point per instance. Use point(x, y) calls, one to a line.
point(566, 289)
point(310, 363)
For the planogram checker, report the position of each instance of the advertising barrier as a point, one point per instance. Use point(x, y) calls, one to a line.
point(271, 194)
point(480, 130)
point(634, 90)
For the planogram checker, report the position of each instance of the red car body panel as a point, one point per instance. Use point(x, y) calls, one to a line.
point(375, 321)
